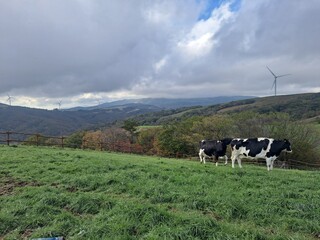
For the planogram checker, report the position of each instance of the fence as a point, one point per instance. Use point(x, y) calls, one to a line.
point(14, 138)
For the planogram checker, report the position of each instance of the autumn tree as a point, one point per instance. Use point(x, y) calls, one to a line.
point(147, 138)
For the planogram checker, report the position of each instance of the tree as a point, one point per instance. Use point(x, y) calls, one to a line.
point(75, 140)
point(130, 125)
point(116, 139)
point(147, 138)
point(92, 140)
point(175, 139)
point(213, 127)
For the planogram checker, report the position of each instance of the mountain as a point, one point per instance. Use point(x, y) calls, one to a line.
point(299, 106)
point(57, 123)
point(167, 103)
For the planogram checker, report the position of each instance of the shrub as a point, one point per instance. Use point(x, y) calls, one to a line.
point(75, 139)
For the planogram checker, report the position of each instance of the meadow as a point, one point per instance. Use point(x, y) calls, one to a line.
point(82, 194)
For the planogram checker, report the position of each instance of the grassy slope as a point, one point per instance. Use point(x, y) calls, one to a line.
point(97, 195)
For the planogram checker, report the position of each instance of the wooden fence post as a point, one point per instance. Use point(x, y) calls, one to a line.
point(8, 138)
point(37, 137)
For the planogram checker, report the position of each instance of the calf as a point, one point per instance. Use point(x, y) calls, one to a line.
point(254, 148)
point(215, 149)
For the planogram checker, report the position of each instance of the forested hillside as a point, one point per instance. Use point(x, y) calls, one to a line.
point(56, 122)
point(298, 106)
point(66, 121)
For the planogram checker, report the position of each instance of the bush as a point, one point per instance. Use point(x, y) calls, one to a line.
point(147, 140)
point(75, 139)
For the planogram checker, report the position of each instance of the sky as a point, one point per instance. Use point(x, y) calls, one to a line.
point(86, 52)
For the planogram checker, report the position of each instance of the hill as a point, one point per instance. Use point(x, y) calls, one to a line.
point(57, 123)
point(167, 103)
point(299, 106)
point(65, 122)
point(97, 195)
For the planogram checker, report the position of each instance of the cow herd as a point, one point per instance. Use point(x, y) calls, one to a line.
point(268, 149)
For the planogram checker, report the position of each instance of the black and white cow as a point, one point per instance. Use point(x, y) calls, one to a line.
point(255, 148)
point(214, 148)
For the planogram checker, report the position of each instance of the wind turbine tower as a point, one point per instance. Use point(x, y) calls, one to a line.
point(275, 80)
point(59, 103)
point(9, 99)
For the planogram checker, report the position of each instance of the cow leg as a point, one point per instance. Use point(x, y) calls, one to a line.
point(200, 155)
point(233, 159)
point(271, 165)
point(216, 159)
point(268, 161)
point(272, 162)
point(203, 160)
point(239, 162)
point(226, 160)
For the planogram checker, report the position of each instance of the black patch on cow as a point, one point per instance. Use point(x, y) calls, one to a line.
point(277, 147)
point(256, 146)
point(252, 144)
point(236, 143)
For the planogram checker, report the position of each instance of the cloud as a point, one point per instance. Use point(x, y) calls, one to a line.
point(80, 51)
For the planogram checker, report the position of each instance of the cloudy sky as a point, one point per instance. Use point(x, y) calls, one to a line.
point(82, 52)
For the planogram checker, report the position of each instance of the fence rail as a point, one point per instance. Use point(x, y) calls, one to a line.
point(13, 138)
point(10, 137)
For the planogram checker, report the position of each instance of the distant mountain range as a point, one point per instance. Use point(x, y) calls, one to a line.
point(67, 121)
point(167, 103)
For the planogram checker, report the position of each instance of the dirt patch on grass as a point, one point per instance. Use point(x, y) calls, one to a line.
point(8, 184)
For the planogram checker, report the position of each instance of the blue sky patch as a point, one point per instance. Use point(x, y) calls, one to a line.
point(212, 4)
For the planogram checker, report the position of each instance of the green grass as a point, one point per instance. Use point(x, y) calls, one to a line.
point(97, 195)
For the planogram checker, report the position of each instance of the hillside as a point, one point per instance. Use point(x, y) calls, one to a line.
point(298, 106)
point(67, 121)
point(56, 123)
point(97, 195)
point(167, 103)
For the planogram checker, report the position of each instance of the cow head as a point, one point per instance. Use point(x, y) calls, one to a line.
point(287, 146)
point(202, 143)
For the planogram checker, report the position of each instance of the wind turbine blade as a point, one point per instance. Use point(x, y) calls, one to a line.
point(271, 72)
point(283, 75)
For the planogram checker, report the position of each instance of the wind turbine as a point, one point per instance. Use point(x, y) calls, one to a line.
point(59, 103)
point(275, 80)
point(9, 100)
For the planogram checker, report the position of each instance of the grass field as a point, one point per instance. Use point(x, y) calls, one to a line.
point(97, 195)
